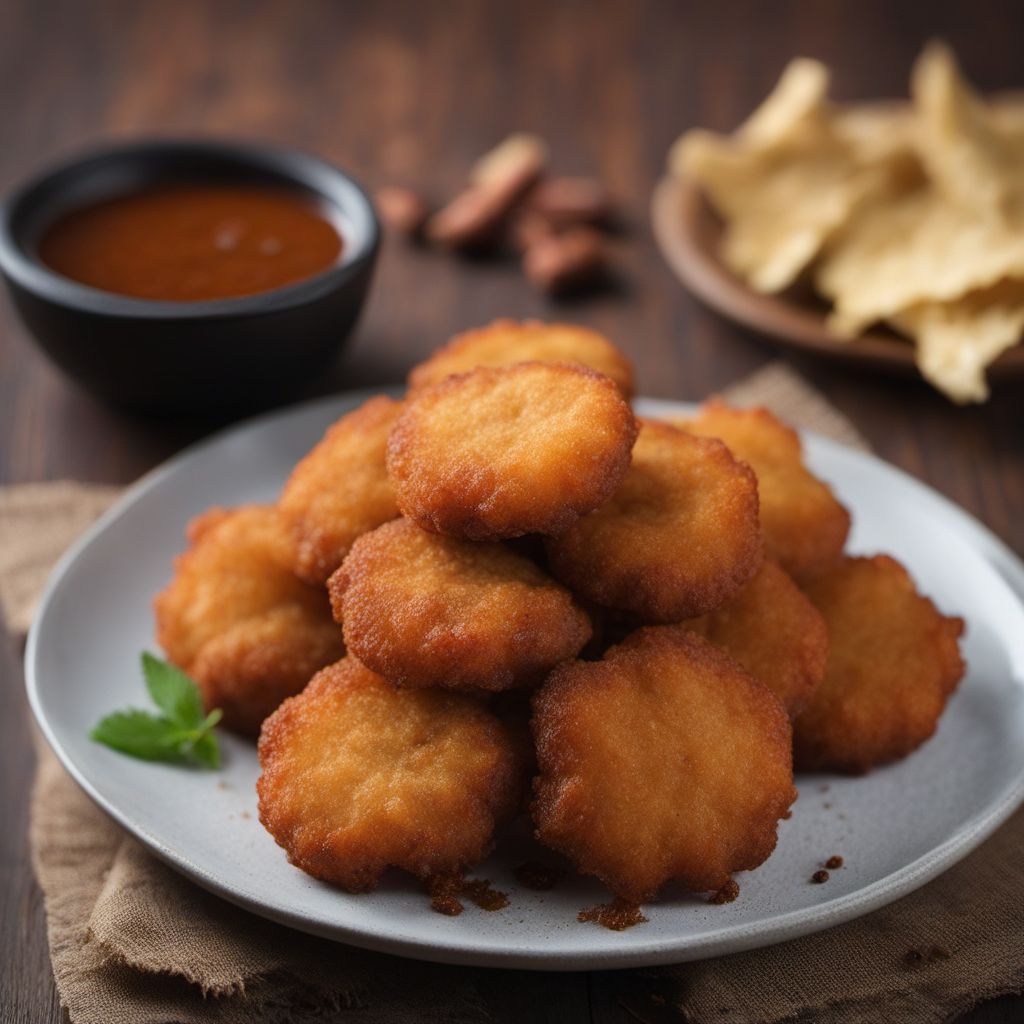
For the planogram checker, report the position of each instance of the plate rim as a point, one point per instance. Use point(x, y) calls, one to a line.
point(770, 931)
point(719, 289)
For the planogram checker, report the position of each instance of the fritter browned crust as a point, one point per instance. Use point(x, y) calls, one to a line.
point(893, 663)
point(249, 669)
point(678, 537)
point(246, 629)
point(665, 760)
point(427, 610)
point(501, 452)
point(774, 632)
point(359, 776)
point(804, 526)
point(340, 490)
point(504, 342)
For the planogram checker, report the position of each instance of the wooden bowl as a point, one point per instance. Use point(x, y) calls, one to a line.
point(688, 233)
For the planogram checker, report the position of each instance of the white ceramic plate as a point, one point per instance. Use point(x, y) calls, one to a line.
point(896, 828)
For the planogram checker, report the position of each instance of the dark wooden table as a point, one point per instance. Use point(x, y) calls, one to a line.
point(411, 92)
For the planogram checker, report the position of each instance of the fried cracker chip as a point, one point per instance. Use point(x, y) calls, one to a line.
point(957, 340)
point(911, 248)
point(971, 160)
point(956, 232)
point(783, 183)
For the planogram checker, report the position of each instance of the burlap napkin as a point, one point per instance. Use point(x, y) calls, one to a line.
point(132, 942)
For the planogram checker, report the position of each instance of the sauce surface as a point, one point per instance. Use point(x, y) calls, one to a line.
point(192, 243)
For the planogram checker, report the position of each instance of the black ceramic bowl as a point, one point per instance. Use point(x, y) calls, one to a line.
point(172, 357)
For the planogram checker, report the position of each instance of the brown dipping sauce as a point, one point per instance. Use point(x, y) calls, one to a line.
point(192, 243)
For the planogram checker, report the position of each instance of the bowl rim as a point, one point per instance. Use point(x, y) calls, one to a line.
point(308, 172)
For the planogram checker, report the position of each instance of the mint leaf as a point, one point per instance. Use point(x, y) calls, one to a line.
point(182, 733)
point(172, 692)
point(206, 750)
point(140, 734)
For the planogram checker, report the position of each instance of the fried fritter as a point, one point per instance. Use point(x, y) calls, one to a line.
point(504, 342)
point(893, 663)
point(427, 610)
point(340, 490)
point(251, 667)
point(246, 629)
point(664, 760)
point(503, 451)
point(774, 632)
point(804, 526)
point(678, 537)
point(359, 776)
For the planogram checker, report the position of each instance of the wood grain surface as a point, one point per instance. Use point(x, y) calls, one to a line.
point(400, 91)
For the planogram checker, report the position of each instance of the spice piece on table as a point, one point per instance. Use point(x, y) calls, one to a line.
point(564, 202)
point(835, 861)
point(557, 225)
point(497, 183)
point(567, 261)
point(528, 229)
point(819, 876)
point(521, 157)
point(402, 210)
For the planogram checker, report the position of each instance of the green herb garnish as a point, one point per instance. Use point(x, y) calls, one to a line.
point(181, 734)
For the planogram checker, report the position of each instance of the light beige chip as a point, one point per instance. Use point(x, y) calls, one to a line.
point(972, 161)
point(911, 248)
point(783, 183)
point(957, 340)
point(797, 99)
point(910, 214)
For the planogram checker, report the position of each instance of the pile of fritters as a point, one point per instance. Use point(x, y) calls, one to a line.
point(628, 628)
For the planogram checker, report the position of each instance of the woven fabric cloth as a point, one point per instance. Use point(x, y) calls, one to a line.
point(133, 941)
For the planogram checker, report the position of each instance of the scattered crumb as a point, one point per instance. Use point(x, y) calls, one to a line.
point(221, 784)
point(446, 904)
point(445, 893)
point(827, 806)
point(537, 876)
point(823, 788)
point(245, 815)
point(819, 876)
point(480, 892)
point(726, 894)
point(617, 915)
point(835, 861)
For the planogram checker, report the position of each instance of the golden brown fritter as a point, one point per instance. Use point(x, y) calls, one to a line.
point(427, 610)
point(246, 629)
point(774, 632)
point(501, 452)
point(893, 663)
point(665, 760)
point(340, 490)
point(250, 668)
point(678, 537)
point(804, 526)
point(504, 342)
point(359, 776)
